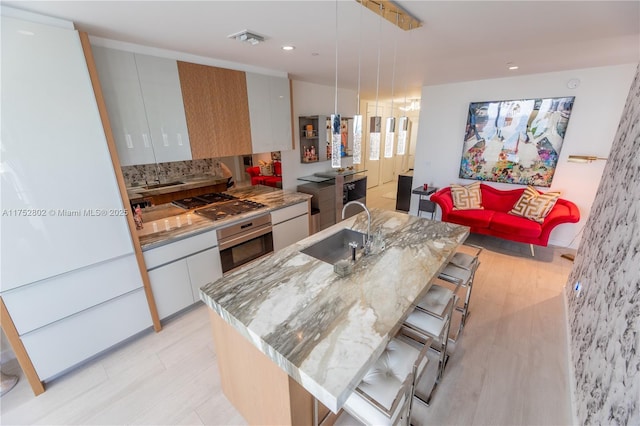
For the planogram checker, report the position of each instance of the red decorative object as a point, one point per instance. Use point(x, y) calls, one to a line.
point(495, 220)
point(274, 181)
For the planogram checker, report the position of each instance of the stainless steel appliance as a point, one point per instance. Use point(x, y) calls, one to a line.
point(245, 241)
point(202, 200)
point(225, 209)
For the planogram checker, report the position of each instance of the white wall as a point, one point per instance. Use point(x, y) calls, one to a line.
point(313, 99)
point(600, 98)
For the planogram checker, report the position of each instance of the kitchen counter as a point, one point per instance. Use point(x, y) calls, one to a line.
point(322, 330)
point(272, 198)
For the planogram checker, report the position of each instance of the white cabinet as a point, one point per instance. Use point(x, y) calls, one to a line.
point(118, 75)
point(145, 106)
point(69, 275)
point(204, 268)
point(178, 270)
point(290, 225)
point(269, 112)
point(171, 287)
point(162, 96)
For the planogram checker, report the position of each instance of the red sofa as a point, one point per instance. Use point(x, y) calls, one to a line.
point(495, 220)
point(258, 179)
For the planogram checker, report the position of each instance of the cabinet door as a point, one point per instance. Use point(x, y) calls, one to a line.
point(122, 94)
point(270, 113)
point(204, 268)
point(217, 110)
point(56, 167)
point(289, 232)
point(171, 288)
point(160, 86)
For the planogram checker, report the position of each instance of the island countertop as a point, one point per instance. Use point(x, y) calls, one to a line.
point(324, 330)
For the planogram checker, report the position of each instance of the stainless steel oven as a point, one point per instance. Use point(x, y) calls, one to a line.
point(245, 241)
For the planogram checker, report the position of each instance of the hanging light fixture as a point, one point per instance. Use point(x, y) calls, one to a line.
point(375, 125)
point(336, 159)
point(391, 121)
point(357, 119)
point(403, 122)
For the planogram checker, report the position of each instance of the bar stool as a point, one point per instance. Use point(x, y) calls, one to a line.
point(460, 271)
point(429, 324)
point(385, 394)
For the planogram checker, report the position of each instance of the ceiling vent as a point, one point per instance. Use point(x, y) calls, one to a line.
point(247, 37)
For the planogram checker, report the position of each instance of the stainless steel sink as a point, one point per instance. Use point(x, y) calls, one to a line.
point(336, 247)
point(163, 185)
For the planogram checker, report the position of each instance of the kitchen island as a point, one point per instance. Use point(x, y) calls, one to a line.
point(287, 329)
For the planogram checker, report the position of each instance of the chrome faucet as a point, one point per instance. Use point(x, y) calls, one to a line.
point(368, 242)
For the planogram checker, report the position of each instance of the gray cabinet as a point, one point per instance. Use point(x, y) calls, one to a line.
point(145, 106)
point(269, 112)
point(324, 200)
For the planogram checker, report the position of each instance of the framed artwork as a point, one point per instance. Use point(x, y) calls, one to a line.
point(516, 141)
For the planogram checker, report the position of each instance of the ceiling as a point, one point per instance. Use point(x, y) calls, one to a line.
point(459, 40)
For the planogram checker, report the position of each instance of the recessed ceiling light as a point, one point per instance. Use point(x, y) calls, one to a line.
point(288, 47)
point(25, 32)
point(512, 66)
point(247, 37)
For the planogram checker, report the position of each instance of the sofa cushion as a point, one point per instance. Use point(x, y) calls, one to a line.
point(516, 225)
point(534, 205)
point(466, 197)
point(472, 218)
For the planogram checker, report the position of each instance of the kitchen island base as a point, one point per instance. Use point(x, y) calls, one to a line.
point(261, 391)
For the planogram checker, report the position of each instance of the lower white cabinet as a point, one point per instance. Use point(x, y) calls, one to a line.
point(171, 287)
point(204, 267)
point(178, 270)
point(65, 343)
point(290, 225)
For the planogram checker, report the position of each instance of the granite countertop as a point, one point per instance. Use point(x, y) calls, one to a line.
point(323, 330)
point(272, 198)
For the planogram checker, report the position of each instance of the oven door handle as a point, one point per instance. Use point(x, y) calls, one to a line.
point(234, 241)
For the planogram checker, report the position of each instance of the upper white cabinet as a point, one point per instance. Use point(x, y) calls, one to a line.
point(269, 112)
point(145, 106)
point(165, 110)
point(122, 94)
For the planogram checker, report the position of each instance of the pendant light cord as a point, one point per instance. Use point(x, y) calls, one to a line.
point(336, 94)
point(359, 59)
point(393, 73)
point(379, 41)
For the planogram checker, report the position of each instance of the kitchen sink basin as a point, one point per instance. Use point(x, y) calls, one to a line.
point(162, 185)
point(336, 247)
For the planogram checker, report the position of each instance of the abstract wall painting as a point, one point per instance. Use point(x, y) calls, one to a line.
point(516, 141)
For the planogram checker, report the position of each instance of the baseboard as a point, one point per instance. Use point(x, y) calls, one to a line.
point(571, 370)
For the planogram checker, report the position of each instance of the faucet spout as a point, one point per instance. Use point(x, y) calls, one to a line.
point(368, 216)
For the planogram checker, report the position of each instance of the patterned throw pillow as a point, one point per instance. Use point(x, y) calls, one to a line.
point(266, 169)
point(466, 197)
point(533, 205)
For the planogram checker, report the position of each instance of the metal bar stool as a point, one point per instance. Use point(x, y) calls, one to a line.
point(431, 320)
point(460, 271)
point(385, 394)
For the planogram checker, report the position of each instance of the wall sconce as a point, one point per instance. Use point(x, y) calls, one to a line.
point(584, 158)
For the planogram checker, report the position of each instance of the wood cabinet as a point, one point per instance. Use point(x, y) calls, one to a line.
point(178, 270)
point(324, 199)
point(145, 106)
point(290, 225)
point(217, 110)
point(269, 112)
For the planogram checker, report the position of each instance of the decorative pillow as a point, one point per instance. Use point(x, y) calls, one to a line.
point(266, 169)
point(533, 205)
point(466, 197)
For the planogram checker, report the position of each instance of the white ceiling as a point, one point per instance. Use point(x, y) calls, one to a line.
point(459, 40)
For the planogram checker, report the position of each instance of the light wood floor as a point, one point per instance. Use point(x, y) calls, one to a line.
point(509, 366)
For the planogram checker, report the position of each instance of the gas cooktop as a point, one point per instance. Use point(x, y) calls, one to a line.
point(202, 200)
point(225, 209)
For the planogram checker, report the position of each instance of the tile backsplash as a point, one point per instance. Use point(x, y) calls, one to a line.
point(148, 173)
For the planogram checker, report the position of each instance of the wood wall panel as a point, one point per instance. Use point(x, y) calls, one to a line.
point(217, 110)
